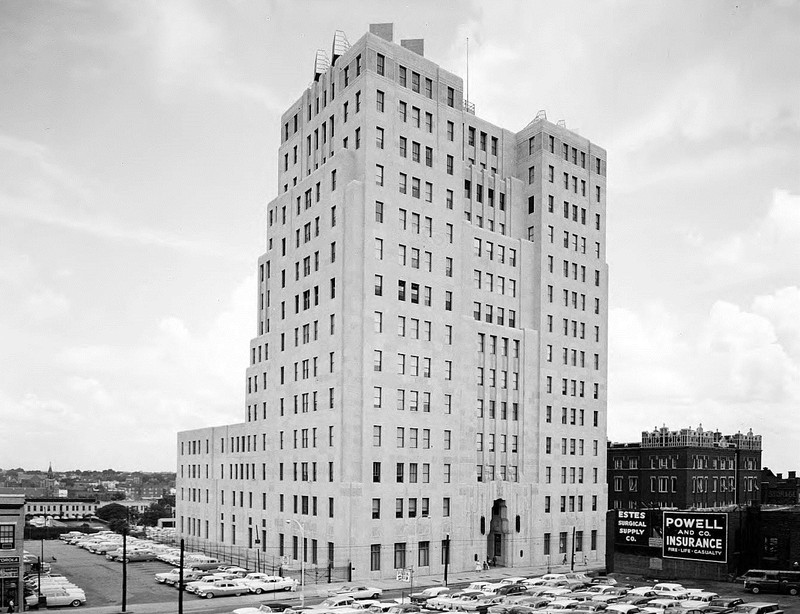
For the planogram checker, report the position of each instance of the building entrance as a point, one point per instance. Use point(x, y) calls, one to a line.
point(496, 546)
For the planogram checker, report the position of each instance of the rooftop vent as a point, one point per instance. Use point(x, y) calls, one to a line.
point(340, 46)
point(321, 64)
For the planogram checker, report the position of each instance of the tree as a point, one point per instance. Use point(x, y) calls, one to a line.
point(155, 511)
point(115, 511)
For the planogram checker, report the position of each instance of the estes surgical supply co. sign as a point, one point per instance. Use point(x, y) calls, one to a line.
point(632, 528)
point(696, 536)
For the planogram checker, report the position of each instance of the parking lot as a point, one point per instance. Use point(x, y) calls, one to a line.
point(101, 579)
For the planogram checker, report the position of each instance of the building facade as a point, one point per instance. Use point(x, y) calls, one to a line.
point(685, 469)
point(779, 490)
point(428, 378)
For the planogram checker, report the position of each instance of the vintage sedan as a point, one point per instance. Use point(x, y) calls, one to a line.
point(271, 584)
point(221, 588)
point(56, 597)
point(358, 592)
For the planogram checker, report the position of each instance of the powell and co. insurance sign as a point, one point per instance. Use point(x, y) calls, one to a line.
point(696, 536)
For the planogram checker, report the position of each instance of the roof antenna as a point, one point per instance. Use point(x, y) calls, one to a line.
point(467, 96)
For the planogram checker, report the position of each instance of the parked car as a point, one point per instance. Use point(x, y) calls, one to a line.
point(623, 608)
point(699, 599)
point(758, 607)
point(429, 593)
point(771, 580)
point(359, 592)
point(670, 590)
point(56, 597)
point(221, 588)
point(508, 590)
point(724, 603)
point(271, 584)
point(262, 609)
point(661, 605)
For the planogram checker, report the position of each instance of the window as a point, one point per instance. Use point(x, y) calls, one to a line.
point(375, 555)
point(376, 471)
point(379, 212)
point(381, 69)
point(378, 138)
point(450, 131)
point(378, 174)
point(376, 508)
point(400, 549)
point(450, 162)
point(451, 99)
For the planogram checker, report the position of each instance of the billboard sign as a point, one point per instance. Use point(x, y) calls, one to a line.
point(696, 536)
point(633, 529)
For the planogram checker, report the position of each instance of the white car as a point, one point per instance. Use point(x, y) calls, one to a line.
point(57, 597)
point(660, 606)
point(270, 584)
point(670, 590)
point(505, 581)
point(221, 588)
point(699, 599)
point(358, 592)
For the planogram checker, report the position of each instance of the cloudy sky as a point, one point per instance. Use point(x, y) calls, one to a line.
point(138, 150)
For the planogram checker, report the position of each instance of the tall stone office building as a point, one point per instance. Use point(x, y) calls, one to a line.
point(429, 370)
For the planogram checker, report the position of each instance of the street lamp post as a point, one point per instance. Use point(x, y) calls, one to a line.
point(302, 561)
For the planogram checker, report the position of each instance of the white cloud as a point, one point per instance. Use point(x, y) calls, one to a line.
point(738, 368)
point(174, 379)
point(768, 248)
point(46, 304)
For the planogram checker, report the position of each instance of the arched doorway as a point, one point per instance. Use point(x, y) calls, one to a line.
point(496, 544)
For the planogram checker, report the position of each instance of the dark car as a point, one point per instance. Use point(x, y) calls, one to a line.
point(724, 603)
point(511, 589)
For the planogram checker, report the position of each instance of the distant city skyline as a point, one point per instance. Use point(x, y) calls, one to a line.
point(137, 155)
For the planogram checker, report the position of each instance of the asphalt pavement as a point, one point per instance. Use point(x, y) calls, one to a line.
point(102, 580)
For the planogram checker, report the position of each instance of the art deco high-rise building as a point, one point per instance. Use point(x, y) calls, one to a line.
point(430, 357)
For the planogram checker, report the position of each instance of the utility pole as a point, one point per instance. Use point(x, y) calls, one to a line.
point(572, 562)
point(446, 556)
point(125, 567)
point(180, 582)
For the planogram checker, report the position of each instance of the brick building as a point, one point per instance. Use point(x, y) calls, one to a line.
point(685, 469)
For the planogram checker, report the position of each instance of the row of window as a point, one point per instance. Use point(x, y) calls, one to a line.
point(410, 437)
point(574, 388)
point(573, 416)
point(416, 472)
point(575, 475)
point(413, 400)
point(502, 443)
point(494, 283)
point(488, 377)
point(408, 508)
point(494, 343)
point(485, 248)
point(569, 503)
point(490, 407)
point(471, 141)
point(494, 315)
point(571, 446)
point(490, 193)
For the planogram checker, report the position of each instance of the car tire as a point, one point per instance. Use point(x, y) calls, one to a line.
point(75, 603)
point(755, 590)
point(375, 596)
point(793, 591)
point(258, 591)
point(209, 595)
point(288, 588)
